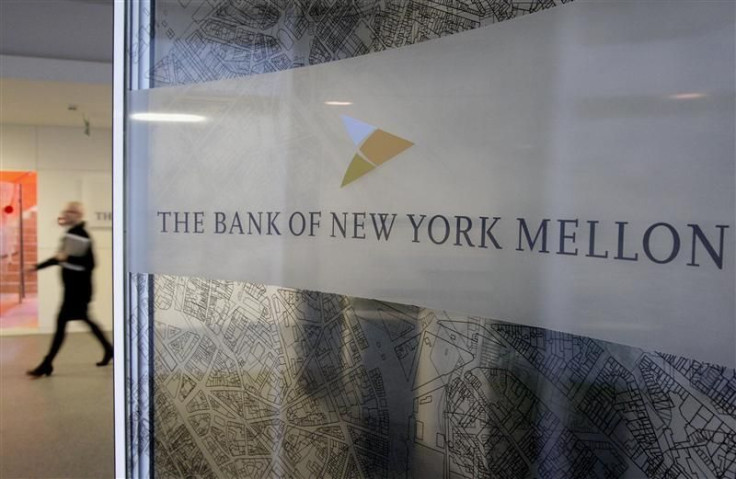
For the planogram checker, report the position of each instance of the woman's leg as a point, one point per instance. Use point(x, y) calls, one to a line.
point(46, 367)
point(59, 336)
point(97, 332)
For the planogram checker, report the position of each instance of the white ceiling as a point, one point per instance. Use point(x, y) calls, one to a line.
point(63, 29)
point(77, 31)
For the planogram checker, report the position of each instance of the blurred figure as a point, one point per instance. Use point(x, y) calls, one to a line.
point(77, 261)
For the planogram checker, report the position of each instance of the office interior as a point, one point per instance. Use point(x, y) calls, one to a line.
point(55, 147)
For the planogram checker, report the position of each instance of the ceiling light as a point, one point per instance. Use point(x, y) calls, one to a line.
point(687, 96)
point(168, 117)
point(338, 103)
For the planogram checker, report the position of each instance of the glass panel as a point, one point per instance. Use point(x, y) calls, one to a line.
point(394, 239)
point(18, 280)
point(195, 41)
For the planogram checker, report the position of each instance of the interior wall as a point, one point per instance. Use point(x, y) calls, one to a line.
point(62, 156)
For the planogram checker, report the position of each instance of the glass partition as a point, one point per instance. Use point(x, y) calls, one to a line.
point(18, 284)
point(454, 239)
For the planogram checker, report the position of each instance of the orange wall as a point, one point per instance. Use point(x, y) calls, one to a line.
point(28, 180)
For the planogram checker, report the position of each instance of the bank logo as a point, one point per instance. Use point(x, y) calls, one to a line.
point(375, 147)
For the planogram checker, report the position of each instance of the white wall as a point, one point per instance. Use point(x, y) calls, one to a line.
point(62, 156)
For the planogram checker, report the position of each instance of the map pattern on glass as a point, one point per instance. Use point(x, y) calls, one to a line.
point(198, 41)
point(138, 377)
point(260, 381)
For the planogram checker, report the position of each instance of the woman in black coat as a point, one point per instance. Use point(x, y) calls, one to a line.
point(77, 261)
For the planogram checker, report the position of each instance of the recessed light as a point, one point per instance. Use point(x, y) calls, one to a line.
point(338, 103)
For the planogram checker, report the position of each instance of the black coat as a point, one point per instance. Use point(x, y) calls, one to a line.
point(76, 271)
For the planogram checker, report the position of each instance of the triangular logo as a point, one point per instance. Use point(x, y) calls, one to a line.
point(375, 147)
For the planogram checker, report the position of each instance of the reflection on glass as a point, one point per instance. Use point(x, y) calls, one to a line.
point(687, 96)
point(168, 117)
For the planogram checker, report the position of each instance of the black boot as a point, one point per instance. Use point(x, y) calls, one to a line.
point(106, 358)
point(43, 369)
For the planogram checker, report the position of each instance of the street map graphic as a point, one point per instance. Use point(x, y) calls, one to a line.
point(259, 381)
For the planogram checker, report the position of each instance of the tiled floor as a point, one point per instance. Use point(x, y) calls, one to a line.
point(59, 426)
